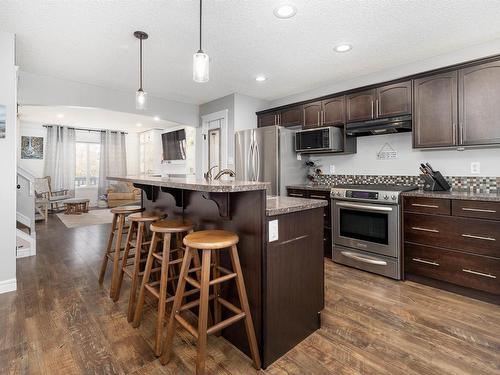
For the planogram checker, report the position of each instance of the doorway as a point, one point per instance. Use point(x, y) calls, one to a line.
point(215, 141)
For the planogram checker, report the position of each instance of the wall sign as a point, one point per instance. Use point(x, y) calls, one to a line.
point(31, 147)
point(387, 152)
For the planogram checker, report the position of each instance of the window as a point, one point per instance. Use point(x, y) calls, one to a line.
point(87, 164)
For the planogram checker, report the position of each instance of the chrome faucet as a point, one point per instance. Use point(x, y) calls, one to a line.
point(208, 174)
point(229, 172)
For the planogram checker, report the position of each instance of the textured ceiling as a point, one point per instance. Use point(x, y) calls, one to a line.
point(91, 41)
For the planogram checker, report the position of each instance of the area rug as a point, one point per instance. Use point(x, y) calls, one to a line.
point(93, 217)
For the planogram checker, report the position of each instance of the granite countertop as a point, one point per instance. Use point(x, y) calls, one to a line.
point(454, 195)
point(283, 205)
point(316, 187)
point(219, 186)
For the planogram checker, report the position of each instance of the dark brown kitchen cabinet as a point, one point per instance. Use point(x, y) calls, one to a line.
point(435, 110)
point(334, 111)
point(479, 104)
point(312, 114)
point(292, 116)
point(361, 105)
point(393, 100)
point(267, 119)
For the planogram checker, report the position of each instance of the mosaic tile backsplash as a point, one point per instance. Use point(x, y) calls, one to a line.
point(458, 183)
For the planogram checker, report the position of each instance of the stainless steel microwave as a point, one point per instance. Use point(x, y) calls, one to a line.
point(328, 139)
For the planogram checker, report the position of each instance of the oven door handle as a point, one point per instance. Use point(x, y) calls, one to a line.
point(363, 259)
point(364, 207)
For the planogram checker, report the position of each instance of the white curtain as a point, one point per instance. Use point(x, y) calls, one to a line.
point(113, 158)
point(60, 157)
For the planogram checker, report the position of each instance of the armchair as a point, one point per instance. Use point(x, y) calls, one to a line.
point(120, 197)
point(44, 192)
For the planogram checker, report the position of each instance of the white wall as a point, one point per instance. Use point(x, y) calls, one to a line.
point(37, 89)
point(8, 158)
point(449, 162)
point(244, 111)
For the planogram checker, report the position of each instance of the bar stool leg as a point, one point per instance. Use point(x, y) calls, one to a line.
point(145, 280)
point(162, 302)
point(116, 259)
point(217, 306)
point(203, 312)
point(167, 345)
point(119, 273)
point(240, 284)
point(111, 236)
point(135, 272)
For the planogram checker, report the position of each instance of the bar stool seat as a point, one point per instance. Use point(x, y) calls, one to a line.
point(118, 228)
point(172, 226)
point(211, 242)
point(211, 239)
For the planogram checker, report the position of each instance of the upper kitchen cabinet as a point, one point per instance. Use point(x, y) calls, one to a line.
point(435, 110)
point(334, 111)
point(479, 104)
point(291, 116)
point(361, 105)
point(393, 100)
point(312, 114)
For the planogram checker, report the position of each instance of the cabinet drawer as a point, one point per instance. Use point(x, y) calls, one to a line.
point(318, 194)
point(477, 209)
point(471, 235)
point(436, 206)
point(297, 193)
point(472, 271)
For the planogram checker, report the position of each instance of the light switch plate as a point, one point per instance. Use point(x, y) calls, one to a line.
point(273, 230)
point(475, 167)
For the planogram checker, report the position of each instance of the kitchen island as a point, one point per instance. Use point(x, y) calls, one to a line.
point(282, 266)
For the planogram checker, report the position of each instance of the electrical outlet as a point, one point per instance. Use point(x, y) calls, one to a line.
point(475, 167)
point(273, 230)
point(332, 169)
point(299, 156)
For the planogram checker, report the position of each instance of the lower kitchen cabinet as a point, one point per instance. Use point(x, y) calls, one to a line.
point(452, 241)
point(327, 223)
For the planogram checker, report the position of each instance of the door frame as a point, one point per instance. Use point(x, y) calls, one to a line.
point(205, 127)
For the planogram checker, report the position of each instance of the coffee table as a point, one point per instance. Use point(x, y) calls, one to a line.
point(76, 206)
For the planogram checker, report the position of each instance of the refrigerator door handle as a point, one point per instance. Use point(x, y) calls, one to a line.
point(258, 161)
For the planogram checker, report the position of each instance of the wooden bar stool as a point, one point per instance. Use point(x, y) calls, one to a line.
point(162, 231)
point(132, 269)
point(210, 241)
point(117, 229)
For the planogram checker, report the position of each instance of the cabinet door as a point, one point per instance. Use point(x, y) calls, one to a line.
point(360, 106)
point(479, 104)
point(334, 111)
point(312, 114)
point(267, 119)
point(435, 110)
point(291, 116)
point(394, 100)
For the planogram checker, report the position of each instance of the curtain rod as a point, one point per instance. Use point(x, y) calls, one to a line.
point(88, 129)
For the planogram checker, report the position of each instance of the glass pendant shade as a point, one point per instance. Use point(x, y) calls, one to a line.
point(141, 99)
point(200, 67)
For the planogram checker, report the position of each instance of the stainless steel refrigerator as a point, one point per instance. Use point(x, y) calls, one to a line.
point(268, 154)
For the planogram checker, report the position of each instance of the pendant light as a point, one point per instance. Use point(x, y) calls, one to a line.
point(141, 96)
point(200, 60)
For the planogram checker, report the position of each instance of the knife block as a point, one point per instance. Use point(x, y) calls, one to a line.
point(435, 183)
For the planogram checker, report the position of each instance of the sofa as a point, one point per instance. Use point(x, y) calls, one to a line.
point(122, 193)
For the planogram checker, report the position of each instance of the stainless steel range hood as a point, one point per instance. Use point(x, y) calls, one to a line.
point(380, 126)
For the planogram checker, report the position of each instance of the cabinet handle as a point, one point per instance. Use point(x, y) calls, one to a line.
point(424, 205)
point(372, 108)
point(461, 139)
point(425, 229)
point(480, 273)
point(295, 195)
point(319, 121)
point(317, 196)
point(478, 210)
point(479, 237)
point(454, 129)
point(376, 108)
point(425, 261)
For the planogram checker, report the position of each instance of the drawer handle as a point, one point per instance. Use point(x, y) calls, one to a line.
point(317, 196)
point(479, 273)
point(295, 195)
point(478, 210)
point(364, 259)
point(425, 261)
point(479, 237)
point(424, 205)
point(425, 229)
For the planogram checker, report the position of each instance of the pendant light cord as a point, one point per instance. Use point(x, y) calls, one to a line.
point(201, 7)
point(140, 64)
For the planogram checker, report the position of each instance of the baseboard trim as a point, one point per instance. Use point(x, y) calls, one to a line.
point(9, 285)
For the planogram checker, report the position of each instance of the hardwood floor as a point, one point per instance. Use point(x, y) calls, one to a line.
point(60, 321)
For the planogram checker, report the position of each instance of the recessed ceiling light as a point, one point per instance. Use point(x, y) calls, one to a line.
point(156, 118)
point(260, 78)
point(60, 115)
point(285, 11)
point(138, 124)
point(342, 48)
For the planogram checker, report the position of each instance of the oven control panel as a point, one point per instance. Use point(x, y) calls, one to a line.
point(386, 197)
point(361, 194)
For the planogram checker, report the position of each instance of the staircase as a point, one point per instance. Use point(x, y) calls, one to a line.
point(25, 214)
